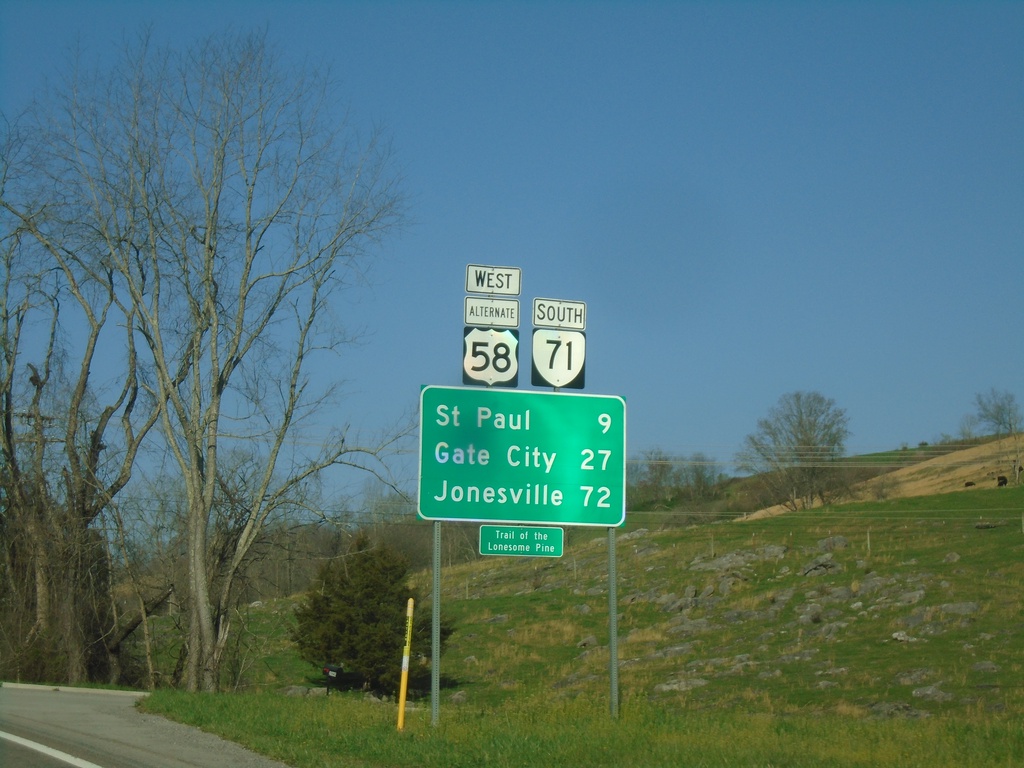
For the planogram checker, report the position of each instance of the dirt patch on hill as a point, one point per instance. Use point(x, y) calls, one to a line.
point(981, 465)
point(965, 470)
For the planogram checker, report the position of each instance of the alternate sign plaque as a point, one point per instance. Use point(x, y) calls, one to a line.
point(511, 456)
point(492, 313)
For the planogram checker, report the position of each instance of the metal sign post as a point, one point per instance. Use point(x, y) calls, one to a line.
point(613, 625)
point(435, 629)
point(521, 458)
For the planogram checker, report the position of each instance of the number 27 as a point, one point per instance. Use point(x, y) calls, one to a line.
point(588, 458)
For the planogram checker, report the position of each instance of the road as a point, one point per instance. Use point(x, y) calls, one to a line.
point(103, 729)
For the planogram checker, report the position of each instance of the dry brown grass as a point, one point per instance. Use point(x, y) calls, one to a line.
point(980, 465)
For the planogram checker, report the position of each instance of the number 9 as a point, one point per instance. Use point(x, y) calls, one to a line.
point(606, 423)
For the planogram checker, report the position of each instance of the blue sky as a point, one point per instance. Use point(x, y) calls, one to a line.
point(751, 198)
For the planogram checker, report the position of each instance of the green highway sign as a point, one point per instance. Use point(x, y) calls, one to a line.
point(521, 540)
point(509, 456)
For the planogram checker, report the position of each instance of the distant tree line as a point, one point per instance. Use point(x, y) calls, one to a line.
point(796, 457)
point(683, 488)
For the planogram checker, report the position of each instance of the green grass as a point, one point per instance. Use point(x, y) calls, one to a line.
point(534, 731)
point(780, 686)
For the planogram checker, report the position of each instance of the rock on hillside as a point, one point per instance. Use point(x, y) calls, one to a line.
point(822, 618)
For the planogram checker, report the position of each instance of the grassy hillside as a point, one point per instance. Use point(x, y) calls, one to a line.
point(866, 634)
point(908, 606)
point(903, 607)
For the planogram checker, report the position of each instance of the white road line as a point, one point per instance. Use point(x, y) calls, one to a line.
point(62, 756)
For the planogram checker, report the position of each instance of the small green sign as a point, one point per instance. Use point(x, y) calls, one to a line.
point(521, 541)
point(509, 456)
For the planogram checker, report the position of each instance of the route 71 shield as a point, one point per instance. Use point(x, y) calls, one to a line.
point(491, 357)
point(558, 358)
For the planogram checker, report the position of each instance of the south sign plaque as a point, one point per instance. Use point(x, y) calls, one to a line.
point(510, 456)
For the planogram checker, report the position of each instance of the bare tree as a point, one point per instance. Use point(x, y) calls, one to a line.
point(968, 428)
point(655, 480)
point(701, 476)
point(795, 450)
point(229, 206)
point(1000, 412)
point(68, 441)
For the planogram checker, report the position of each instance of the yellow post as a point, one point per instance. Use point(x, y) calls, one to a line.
point(406, 652)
